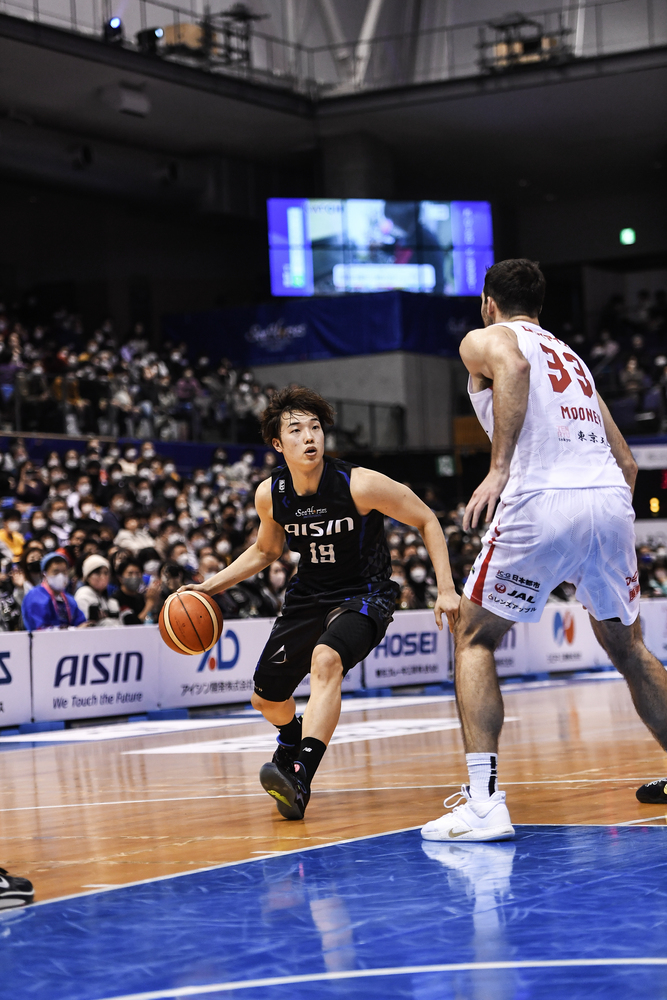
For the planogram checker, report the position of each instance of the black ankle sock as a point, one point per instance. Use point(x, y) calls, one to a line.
point(290, 735)
point(310, 756)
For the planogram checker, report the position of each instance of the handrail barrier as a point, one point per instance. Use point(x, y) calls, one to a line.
point(233, 47)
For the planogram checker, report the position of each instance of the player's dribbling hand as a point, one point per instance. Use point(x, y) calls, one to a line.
point(486, 496)
point(448, 605)
point(192, 586)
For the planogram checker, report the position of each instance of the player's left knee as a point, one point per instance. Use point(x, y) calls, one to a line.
point(326, 666)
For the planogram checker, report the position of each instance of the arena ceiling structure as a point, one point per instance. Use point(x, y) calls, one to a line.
point(410, 75)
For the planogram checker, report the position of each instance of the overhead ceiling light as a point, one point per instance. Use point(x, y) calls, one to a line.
point(148, 40)
point(627, 237)
point(113, 31)
point(126, 99)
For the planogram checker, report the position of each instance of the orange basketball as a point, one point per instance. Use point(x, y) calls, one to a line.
point(190, 622)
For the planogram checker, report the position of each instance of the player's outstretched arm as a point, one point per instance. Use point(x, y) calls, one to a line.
point(373, 491)
point(267, 548)
point(619, 446)
point(493, 356)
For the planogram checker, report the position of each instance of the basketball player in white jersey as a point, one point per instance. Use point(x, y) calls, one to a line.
point(561, 477)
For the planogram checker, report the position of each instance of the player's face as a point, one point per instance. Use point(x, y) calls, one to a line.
point(301, 439)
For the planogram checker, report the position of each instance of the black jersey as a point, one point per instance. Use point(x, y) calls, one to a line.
point(343, 554)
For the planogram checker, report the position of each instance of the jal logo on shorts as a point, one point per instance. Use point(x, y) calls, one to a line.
point(501, 588)
point(564, 628)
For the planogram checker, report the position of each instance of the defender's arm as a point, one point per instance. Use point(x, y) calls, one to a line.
point(267, 548)
point(493, 356)
point(619, 446)
point(373, 491)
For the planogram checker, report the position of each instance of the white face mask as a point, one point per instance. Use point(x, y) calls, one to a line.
point(213, 572)
point(398, 578)
point(84, 490)
point(13, 526)
point(418, 574)
point(59, 516)
point(49, 544)
point(58, 582)
point(38, 523)
point(183, 559)
point(222, 548)
point(152, 567)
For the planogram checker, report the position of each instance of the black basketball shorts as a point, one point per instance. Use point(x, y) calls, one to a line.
point(286, 658)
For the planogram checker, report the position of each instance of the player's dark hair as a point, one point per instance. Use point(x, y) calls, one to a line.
point(517, 286)
point(294, 399)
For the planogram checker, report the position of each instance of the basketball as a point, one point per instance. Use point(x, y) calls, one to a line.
point(190, 622)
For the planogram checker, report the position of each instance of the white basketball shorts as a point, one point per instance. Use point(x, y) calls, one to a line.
point(539, 540)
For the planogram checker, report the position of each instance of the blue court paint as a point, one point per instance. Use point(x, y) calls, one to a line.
point(516, 920)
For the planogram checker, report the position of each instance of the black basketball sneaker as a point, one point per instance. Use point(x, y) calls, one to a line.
point(14, 891)
point(654, 792)
point(287, 753)
point(287, 788)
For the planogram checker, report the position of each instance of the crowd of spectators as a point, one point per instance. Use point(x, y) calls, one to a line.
point(101, 537)
point(628, 358)
point(55, 378)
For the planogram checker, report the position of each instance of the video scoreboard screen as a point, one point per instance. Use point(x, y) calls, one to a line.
point(332, 246)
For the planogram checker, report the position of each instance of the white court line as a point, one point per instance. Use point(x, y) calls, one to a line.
point(294, 850)
point(215, 868)
point(410, 970)
point(347, 732)
point(126, 730)
point(645, 819)
point(324, 791)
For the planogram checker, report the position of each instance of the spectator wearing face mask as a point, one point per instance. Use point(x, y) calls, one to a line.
point(28, 573)
point(50, 541)
point(93, 597)
point(209, 565)
point(10, 608)
point(171, 578)
point(181, 555)
point(11, 539)
point(128, 462)
point(132, 536)
point(151, 564)
point(72, 461)
point(136, 608)
point(272, 582)
point(418, 581)
point(144, 497)
point(223, 549)
point(37, 525)
point(83, 491)
point(48, 605)
point(61, 525)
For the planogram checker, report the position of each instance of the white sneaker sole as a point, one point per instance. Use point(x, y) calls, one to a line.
point(494, 833)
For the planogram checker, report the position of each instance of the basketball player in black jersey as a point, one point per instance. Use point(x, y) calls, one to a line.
point(337, 608)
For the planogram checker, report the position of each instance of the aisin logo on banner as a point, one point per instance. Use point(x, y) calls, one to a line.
point(214, 658)
point(564, 628)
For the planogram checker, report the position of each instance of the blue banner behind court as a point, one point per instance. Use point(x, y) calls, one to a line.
point(314, 329)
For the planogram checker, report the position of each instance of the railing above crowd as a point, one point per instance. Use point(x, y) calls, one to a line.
point(229, 42)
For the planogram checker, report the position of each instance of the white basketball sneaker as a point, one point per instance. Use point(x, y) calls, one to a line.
point(471, 819)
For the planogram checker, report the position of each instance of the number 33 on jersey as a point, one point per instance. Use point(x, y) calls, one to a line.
point(562, 444)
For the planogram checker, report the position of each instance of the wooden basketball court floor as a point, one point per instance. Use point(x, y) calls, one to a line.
point(162, 869)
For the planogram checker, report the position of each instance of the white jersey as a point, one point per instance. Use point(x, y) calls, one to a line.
point(562, 444)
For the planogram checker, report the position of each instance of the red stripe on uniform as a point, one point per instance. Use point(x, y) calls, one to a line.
point(477, 590)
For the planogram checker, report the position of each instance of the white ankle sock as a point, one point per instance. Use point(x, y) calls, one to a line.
point(483, 771)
